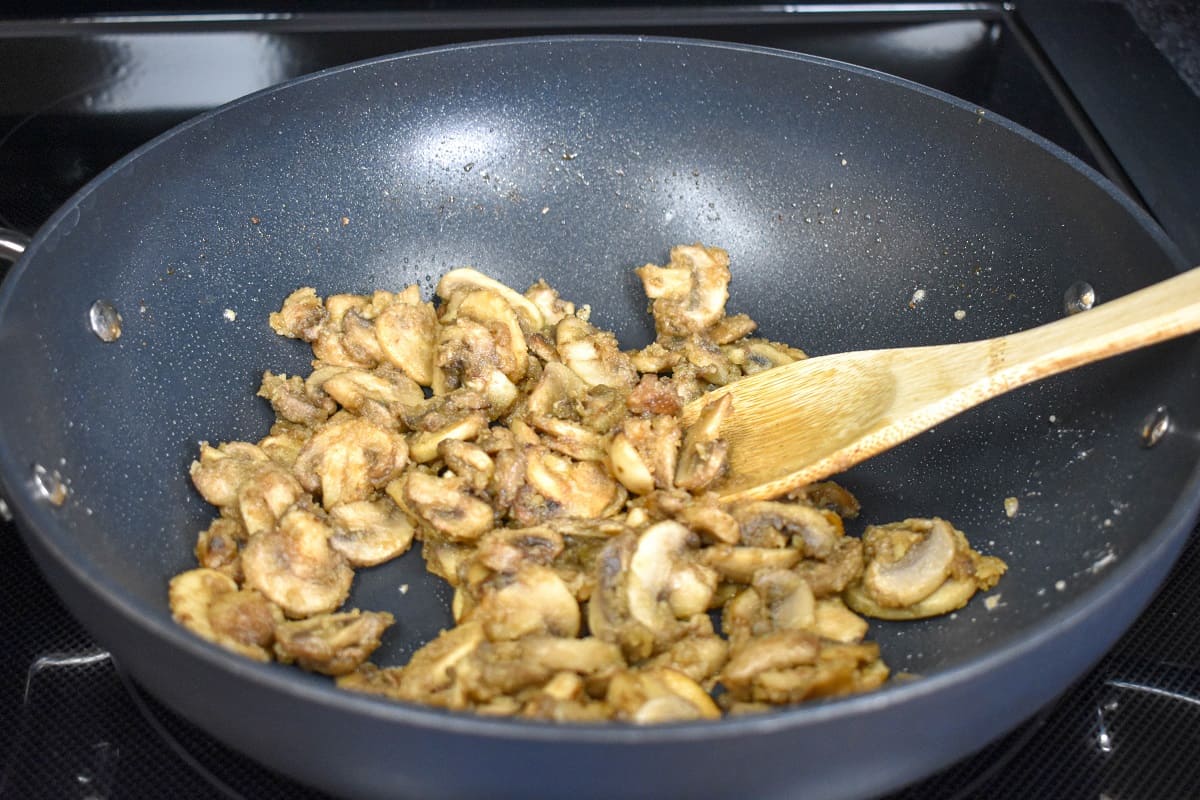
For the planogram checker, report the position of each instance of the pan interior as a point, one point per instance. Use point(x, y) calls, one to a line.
point(839, 195)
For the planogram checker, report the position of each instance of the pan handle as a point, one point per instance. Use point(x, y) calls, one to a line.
point(12, 245)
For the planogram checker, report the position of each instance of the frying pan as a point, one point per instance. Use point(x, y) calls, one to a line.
point(839, 192)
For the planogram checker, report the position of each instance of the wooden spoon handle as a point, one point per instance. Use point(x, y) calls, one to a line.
point(1154, 314)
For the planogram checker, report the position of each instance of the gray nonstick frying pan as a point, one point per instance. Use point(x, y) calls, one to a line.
point(840, 194)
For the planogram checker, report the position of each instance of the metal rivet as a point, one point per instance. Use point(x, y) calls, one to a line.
point(49, 485)
point(1080, 296)
point(105, 321)
point(1155, 425)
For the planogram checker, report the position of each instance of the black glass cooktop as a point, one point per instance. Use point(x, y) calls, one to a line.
point(78, 91)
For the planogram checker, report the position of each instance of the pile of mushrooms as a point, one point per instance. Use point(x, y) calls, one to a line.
point(550, 482)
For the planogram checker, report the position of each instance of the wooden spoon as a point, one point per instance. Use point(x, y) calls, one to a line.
point(805, 421)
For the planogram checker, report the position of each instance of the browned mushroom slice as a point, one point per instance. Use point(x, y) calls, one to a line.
point(353, 388)
point(564, 698)
point(292, 402)
point(492, 310)
point(593, 354)
point(731, 328)
point(655, 357)
point(467, 279)
point(689, 294)
point(552, 307)
point(768, 656)
point(265, 495)
point(659, 695)
point(645, 452)
point(294, 565)
point(301, 316)
point(284, 443)
point(570, 438)
point(220, 471)
point(836, 622)
point(510, 549)
point(468, 461)
point(444, 505)
point(574, 488)
point(710, 361)
point(814, 530)
point(654, 395)
point(346, 338)
point(534, 600)
point(209, 604)
point(918, 568)
point(429, 675)
point(699, 657)
point(828, 495)
point(706, 517)
point(556, 392)
point(406, 333)
point(756, 355)
point(738, 564)
point(423, 446)
point(332, 644)
point(496, 669)
point(349, 460)
point(370, 532)
point(218, 547)
point(838, 570)
point(702, 459)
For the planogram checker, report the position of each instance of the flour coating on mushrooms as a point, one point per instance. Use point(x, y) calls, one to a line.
point(548, 478)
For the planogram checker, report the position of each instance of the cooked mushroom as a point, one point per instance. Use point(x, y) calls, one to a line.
point(763, 657)
point(218, 547)
point(738, 564)
point(468, 461)
point(831, 575)
point(209, 604)
point(444, 505)
point(570, 438)
point(533, 600)
point(429, 675)
point(406, 332)
point(465, 278)
point(332, 644)
point(828, 495)
point(488, 308)
point(352, 388)
point(498, 669)
point(294, 565)
point(220, 471)
point(689, 293)
point(919, 568)
point(815, 531)
point(264, 496)
point(699, 657)
point(301, 317)
point(423, 446)
point(510, 549)
point(574, 488)
point(370, 532)
point(755, 355)
point(659, 694)
point(553, 307)
point(836, 622)
point(284, 443)
point(645, 453)
point(292, 402)
point(702, 459)
point(350, 459)
point(593, 354)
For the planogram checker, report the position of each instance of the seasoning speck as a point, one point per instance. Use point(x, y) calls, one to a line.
point(992, 603)
point(255, 220)
point(404, 588)
point(545, 209)
point(230, 314)
point(1060, 585)
point(843, 162)
point(960, 315)
point(345, 221)
point(916, 298)
point(1011, 505)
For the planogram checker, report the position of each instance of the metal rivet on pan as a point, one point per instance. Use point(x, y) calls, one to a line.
point(1156, 423)
point(105, 321)
point(1080, 296)
point(49, 485)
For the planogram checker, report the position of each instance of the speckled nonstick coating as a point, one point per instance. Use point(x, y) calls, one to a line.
point(838, 193)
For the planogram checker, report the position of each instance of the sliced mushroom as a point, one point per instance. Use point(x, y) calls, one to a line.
point(552, 307)
point(689, 294)
point(654, 395)
point(429, 675)
point(814, 530)
point(352, 388)
point(494, 312)
point(220, 471)
point(534, 600)
point(444, 505)
point(706, 517)
point(242, 621)
point(332, 644)
point(510, 549)
point(756, 355)
point(284, 443)
point(655, 358)
point(763, 656)
point(406, 333)
point(503, 668)
point(423, 446)
point(702, 459)
point(295, 566)
point(593, 354)
point(648, 448)
point(468, 461)
point(738, 564)
point(292, 402)
point(570, 438)
point(556, 392)
point(838, 570)
point(711, 363)
point(731, 328)
point(265, 495)
point(828, 495)
point(301, 317)
point(370, 532)
point(219, 547)
point(836, 622)
point(575, 488)
point(466, 279)
point(628, 466)
point(699, 657)
point(349, 460)
point(657, 695)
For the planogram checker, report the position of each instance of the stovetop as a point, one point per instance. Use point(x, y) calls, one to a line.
point(78, 91)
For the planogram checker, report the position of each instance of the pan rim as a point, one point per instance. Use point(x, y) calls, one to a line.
point(39, 520)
